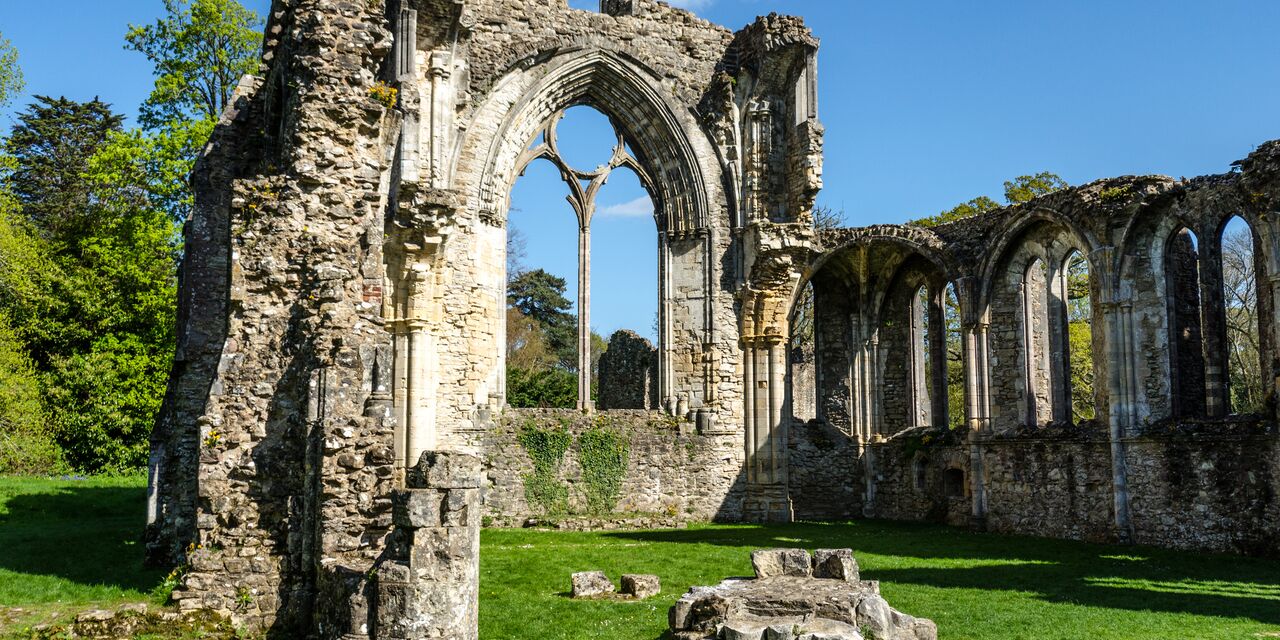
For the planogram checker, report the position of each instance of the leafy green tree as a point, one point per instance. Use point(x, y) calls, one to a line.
point(1016, 191)
point(539, 296)
point(1080, 339)
point(51, 144)
point(200, 49)
point(11, 80)
point(978, 205)
point(545, 388)
point(1027, 188)
point(26, 446)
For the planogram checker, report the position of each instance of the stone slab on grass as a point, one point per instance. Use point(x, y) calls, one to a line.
point(640, 586)
point(591, 584)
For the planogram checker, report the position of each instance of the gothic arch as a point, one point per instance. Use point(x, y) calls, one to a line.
point(630, 94)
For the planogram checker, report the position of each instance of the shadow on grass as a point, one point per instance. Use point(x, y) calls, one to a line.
point(1114, 577)
point(87, 535)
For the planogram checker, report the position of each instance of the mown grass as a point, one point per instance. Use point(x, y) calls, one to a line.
point(68, 545)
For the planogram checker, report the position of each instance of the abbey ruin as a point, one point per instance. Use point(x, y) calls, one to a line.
point(336, 427)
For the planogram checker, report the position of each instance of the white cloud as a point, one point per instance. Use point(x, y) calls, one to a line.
point(638, 208)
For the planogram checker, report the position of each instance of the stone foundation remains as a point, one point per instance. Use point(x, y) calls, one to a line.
point(342, 312)
point(795, 597)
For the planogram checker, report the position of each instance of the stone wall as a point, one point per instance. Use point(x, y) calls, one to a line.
point(1212, 490)
point(1218, 488)
point(672, 473)
point(628, 373)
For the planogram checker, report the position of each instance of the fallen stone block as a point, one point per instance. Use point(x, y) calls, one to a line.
point(772, 563)
point(591, 584)
point(640, 586)
point(835, 564)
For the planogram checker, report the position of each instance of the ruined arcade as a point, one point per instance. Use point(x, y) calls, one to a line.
point(336, 423)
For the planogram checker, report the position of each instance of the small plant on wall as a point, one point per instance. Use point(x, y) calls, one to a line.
point(602, 452)
point(546, 446)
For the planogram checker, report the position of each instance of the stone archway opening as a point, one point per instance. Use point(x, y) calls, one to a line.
point(580, 151)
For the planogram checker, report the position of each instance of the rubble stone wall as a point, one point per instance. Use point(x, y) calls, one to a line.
point(673, 474)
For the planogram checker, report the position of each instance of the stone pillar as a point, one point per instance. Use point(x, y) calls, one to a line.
point(584, 315)
point(777, 417)
point(1119, 355)
point(428, 584)
point(1214, 336)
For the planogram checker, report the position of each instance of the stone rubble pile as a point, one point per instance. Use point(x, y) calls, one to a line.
point(795, 596)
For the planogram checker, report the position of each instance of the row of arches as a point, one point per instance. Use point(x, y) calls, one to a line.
point(1027, 344)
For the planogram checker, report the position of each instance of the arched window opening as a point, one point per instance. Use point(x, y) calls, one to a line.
point(1240, 301)
point(624, 295)
point(920, 471)
point(802, 357)
point(921, 371)
point(541, 345)
point(1079, 343)
point(1186, 346)
point(953, 483)
point(1037, 397)
point(954, 359)
point(551, 338)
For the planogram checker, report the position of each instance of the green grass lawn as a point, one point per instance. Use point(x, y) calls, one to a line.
point(70, 545)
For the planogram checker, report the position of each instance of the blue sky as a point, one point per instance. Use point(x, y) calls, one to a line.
point(926, 104)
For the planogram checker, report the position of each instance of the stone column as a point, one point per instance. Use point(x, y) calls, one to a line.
point(1057, 325)
point(584, 315)
point(428, 584)
point(1214, 329)
point(1118, 377)
point(777, 417)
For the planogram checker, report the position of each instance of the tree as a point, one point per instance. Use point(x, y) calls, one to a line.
point(1017, 191)
point(51, 146)
point(1080, 339)
point(978, 205)
point(1027, 188)
point(11, 80)
point(200, 50)
point(539, 296)
point(1240, 295)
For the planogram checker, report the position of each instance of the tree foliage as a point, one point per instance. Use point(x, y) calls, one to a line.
point(539, 296)
point(199, 51)
point(52, 144)
point(89, 239)
point(1246, 383)
point(1016, 191)
point(11, 80)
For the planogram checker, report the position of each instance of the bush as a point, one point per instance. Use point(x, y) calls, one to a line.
point(26, 446)
point(545, 389)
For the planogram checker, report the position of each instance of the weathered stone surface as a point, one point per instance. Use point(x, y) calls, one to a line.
point(791, 607)
point(628, 373)
point(835, 564)
point(640, 586)
point(771, 563)
point(591, 584)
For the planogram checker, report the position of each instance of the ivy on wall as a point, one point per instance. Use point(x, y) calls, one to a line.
point(602, 453)
point(546, 446)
